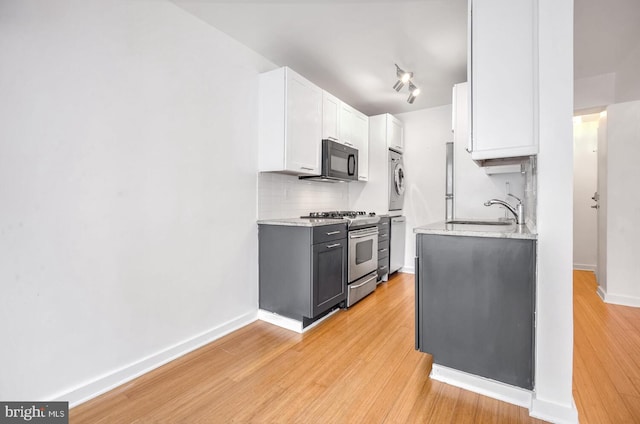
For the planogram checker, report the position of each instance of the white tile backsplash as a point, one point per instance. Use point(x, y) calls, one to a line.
point(286, 196)
point(531, 191)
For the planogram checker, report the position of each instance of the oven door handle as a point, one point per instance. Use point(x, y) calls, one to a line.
point(357, 236)
point(373, 277)
point(363, 233)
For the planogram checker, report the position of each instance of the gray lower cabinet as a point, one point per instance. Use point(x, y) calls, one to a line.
point(475, 303)
point(383, 247)
point(302, 270)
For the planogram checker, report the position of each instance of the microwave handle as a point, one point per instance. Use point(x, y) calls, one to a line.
point(351, 165)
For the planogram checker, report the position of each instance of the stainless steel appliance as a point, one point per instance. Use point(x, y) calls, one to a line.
point(363, 251)
point(448, 194)
point(398, 229)
point(339, 163)
point(396, 181)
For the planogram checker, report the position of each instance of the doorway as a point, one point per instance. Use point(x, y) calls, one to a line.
point(585, 195)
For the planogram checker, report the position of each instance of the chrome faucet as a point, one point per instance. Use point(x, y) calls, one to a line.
point(518, 211)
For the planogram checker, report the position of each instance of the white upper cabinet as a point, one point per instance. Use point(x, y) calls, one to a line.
point(503, 79)
point(330, 116)
point(395, 133)
point(354, 132)
point(290, 123)
point(360, 137)
point(346, 124)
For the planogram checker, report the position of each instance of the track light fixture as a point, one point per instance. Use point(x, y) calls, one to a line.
point(413, 93)
point(403, 78)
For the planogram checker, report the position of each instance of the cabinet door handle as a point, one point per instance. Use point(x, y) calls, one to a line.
point(383, 267)
point(331, 246)
point(382, 250)
point(348, 144)
point(333, 232)
point(305, 168)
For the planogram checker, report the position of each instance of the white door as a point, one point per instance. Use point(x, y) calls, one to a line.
point(330, 116)
point(395, 134)
point(304, 125)
point(361, 142)
point(602, 202)
point(585, 187)
point(346, 124)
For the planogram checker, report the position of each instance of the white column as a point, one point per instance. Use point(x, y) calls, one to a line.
point(553, 399)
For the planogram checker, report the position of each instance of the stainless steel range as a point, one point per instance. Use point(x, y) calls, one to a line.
point(363, 250)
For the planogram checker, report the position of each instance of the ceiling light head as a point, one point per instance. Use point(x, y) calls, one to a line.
point(413, 93)
point(403, 78)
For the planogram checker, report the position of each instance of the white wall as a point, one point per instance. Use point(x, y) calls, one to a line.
point(128, 189)
point(554, 331)
point(594, 92)
point(627, 78)
point(585, 178)
point(426, 133)
point(623, 204)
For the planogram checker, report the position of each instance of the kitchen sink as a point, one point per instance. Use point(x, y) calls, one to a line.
point(479, 222)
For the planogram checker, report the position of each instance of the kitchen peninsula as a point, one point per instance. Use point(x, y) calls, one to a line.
point(475, 299)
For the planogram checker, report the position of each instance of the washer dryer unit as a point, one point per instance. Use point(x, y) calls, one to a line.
point(396, 181)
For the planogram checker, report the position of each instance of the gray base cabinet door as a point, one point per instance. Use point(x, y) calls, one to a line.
point(329, 274)
point(475, 305)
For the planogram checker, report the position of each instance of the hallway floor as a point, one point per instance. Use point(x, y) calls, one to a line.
point(606, 361)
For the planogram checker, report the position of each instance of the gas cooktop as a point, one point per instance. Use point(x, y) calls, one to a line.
point(354, 218)
point(339, 214)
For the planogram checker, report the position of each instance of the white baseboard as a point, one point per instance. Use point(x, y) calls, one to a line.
point(586, 267)
point(111, 380)
point(601, 293)
point(408, 269)
point(289, 323)
point(484, 386)
point(553, 412)
point(617, 299)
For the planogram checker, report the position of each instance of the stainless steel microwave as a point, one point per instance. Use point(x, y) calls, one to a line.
point(339, 163)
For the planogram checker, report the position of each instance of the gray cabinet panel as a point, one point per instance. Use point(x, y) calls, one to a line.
point(383, 249)
point(476, 305)
point(383, 267)
point(329, 274)
point(299, 279)
point(329, 232)
point(285, 270)
point(384, 229)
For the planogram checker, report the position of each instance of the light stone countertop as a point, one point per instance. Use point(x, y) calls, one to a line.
point(302, 222)
point(471, 230)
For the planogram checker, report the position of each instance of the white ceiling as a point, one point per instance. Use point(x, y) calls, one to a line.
point(605, 32)
point(349, 47)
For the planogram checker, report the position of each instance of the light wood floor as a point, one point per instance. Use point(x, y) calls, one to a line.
point(360, 366)
point(606, 356)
